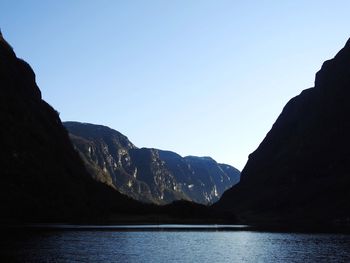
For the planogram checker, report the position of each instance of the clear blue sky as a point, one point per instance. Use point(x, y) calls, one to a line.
point(205, 78)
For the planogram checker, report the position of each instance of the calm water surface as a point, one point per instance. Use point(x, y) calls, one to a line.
point(172, 246)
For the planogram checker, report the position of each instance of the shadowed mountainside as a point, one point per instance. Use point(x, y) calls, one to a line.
point(42, 176)
point(300, 173)
point(149, 175)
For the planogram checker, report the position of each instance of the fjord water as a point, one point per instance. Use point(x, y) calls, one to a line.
point(171, 245)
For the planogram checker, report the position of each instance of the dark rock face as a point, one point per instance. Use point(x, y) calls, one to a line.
point(301, 170)
point(42, 176)
point(149, 175)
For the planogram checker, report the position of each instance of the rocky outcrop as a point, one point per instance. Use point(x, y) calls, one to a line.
point(149, 175)
point(301, 170)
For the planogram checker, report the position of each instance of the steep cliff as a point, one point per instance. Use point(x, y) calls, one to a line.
point(42, 176)
point(301, 170)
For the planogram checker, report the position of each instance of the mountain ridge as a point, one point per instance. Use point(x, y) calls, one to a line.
point(300, 171)
point(149, 174)
point(43, 178)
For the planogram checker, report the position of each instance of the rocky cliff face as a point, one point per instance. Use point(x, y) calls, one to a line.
point(149, 175)
point(42, 176)
point(301, 170)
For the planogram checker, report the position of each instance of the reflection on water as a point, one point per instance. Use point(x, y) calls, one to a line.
point(173, 246)
point(158, 227)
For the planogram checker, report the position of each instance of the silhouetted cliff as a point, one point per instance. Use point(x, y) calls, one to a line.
point(301, 170)
point(42, 177)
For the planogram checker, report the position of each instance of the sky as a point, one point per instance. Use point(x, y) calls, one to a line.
point(198, 77)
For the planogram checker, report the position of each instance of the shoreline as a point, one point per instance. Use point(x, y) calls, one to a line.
point(176, 227)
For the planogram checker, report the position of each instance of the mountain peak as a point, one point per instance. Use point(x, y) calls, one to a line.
point(335, 70)
point(6, 49)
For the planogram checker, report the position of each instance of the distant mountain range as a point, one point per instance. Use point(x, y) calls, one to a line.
point(300, 173)
point(149, 175)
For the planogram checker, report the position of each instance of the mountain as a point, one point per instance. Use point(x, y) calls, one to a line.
point(300, 173)
point(149, 175)
point(42, 176)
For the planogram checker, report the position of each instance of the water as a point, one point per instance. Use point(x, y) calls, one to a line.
point(172, 246)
